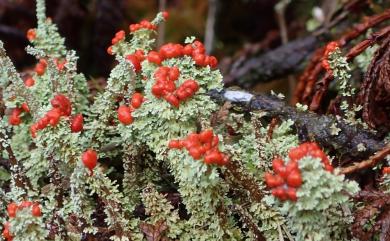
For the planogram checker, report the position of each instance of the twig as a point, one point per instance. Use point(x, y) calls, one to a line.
point(210, 32)
point(280, 10)
point(314, 70)
point(162, 4)
point(352, 53)
point(372, 161)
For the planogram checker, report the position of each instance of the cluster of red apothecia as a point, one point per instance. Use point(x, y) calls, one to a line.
point(89, 159)
point(165, 86)
point(60, 64)
point(13, 208)
point(288, 177)
point(310, 149)
point(14, 118)
point(61, 107)
point(40, 67)
point(203, 145)
point(119, 36)
point(136, 59)
point(386, 170)
point(196, 50)
point(29, 82)
point(31, 34)
point(144, 24)
point(330, 47)
point(124, 111)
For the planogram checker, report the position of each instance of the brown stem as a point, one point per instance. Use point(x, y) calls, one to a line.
point(352, 53)
point(19, 178)
point(372, 161)
point(313, 72)
point(246, 181)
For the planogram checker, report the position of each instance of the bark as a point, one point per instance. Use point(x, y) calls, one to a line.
point(317, 127)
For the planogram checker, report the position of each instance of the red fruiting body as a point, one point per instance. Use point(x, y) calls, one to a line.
point(325, 64)
point(89, 159)
point(154, 57)
point(173, 100)
point(277, 164)
point(60, 64)
point(40, 68)
point(77, 123)
point(124, 115)
point(165, 86)
point(29, 82)
point(63, 103)
point(134, 60)
point(329, 167)
point(165, 15)
point(187, 50)
point(31, 34)
point(330, 47)
point(196, 154)
point(25, 204)
point(36, 210)
point(213, 156)
point(213, 62)
point(310, 149)
point(14, 118)
point(206, 136)
point(54, 116)
point(170, 50)
point(12, 208)
point(136, 100)
point(174, 73)
point(109, 50)
point(61, 107)
point(386, 170)
point(6, 233)
point(175, 144)
point(291, 166)
point(119, 36)
point(140, 55)
point(191, 84)
point(294, 179)
point(25, 107)
point(199, 59)
point(280, 193)
point(144, 24)
point(292, 194)
point(201, 145)
point(33, 131)
point(273, 180)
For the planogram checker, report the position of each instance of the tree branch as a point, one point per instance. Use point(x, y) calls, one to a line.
point(371, 162)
